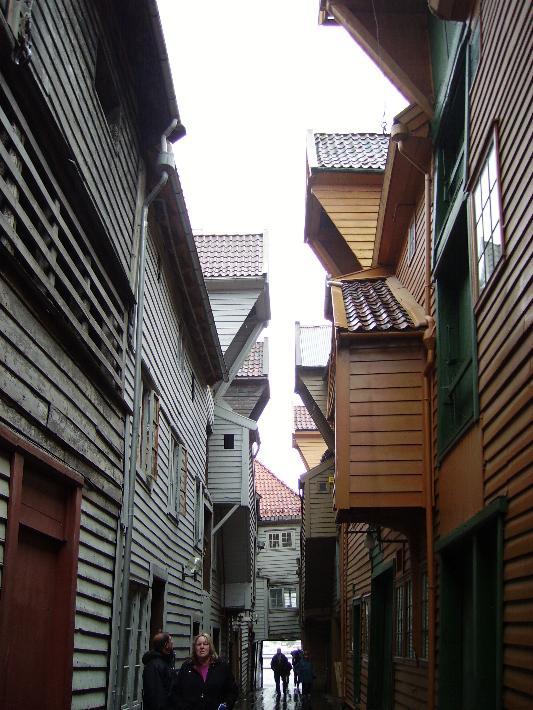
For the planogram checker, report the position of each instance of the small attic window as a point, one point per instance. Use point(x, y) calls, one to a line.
point(106, 91)
point(229, 441)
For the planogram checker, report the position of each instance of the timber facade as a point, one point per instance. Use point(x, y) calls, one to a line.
point(110, 333)
point(429, 393)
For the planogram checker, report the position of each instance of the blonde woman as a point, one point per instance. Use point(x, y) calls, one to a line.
point(205, 681)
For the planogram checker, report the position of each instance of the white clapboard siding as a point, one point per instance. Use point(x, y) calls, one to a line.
point(94, 601)
point(225, 465)
point(280, 568)
point(230, 309)
point(261, 608)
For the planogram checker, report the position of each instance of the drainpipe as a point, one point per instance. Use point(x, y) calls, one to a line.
point(164, 161)
point(401, 134)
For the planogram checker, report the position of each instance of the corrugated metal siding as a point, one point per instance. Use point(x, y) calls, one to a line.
point(503, 91)
point(94, 601)
point(315, 345)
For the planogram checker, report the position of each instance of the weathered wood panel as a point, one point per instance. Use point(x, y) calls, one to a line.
point(230, 310)
point(94, 602)
point(66, 36)
point(225, 465)
point(502, 92)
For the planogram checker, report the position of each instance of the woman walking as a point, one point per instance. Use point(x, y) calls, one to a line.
point(205, 682)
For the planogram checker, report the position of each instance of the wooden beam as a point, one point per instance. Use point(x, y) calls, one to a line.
point(380, 56)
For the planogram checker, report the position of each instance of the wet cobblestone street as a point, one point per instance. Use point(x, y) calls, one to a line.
point(266, 699)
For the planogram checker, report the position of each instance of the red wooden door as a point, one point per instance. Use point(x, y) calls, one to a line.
point(30, 666)
point(37, 602)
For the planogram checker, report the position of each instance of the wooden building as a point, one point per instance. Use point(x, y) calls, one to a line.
point(306, 439)
point(235, 270)
point(82, 116)
point(278, 558)
point(430, 371)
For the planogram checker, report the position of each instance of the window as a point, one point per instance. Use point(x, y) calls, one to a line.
point(283, 598)
point(424, 647)
point(149, 432)
point(411, 242)
point(286, 539)
point(281, 539)
point(403, 643)
point(198, 513)
point(273, 540)
point(136, 643)
point(487, 219)
point(229, 441)
point(177, 478)
point(457, 403)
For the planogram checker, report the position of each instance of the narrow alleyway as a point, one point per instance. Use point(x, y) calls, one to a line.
point(266, 699)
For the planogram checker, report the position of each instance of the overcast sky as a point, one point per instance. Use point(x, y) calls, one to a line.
point(251, 77)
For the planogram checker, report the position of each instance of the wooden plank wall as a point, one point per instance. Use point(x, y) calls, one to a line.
point(225, 465)
point(65, 36)
point(311, 447)
point(230, 309)
point(386, 424)
point(320, 517)
point(281, 567)
point(159, 538)
point(409, 675)
point(503, 91)
point(94, 601)
point(316, 385)
point(5, 473)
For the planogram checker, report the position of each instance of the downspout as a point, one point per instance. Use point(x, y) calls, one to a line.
point(163, 162)
point(429, 341)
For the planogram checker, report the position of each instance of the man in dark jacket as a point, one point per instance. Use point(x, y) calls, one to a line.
point(282, 668)
point(159, 674)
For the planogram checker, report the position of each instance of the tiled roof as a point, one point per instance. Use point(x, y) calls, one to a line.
point(230, 255)
point(277, 500)
point(351, 151)
point(314, 345)
point(253, 366)
point(302, 419)
point(371, 306)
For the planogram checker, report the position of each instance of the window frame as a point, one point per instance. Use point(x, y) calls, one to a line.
point(198, 530)
point(403, 619)
point(148, 440)
point(283, 590)
point(177, 478)
point(491, 143)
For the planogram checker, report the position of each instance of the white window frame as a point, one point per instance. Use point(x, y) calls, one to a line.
point(149, 432)
point(274, 540)
point(287, 593)
point(486, 212)
point(138, 628)
point(199, 514)
point(288, 542)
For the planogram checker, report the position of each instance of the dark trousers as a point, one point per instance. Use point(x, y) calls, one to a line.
point(306, 688)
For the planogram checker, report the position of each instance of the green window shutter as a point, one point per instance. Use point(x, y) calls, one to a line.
point(455, 339)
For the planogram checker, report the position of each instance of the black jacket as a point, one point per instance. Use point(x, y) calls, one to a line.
point(280, 664)
point(158, 680)
point(219, 687)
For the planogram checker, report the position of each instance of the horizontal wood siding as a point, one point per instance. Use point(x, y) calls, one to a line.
point(5, 472)
point(94, 601)
point(503, 91)
point(354, 211)
point(261, 608)
point(280, 566)
point(317, 387)
point(160, 538)
point(311, 448)
point(225, 465)
point(319, 513)
point(65, 36)
point(230, 309)
point(385, 424)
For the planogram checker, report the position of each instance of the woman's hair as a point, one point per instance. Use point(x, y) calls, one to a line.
point(212, 653)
